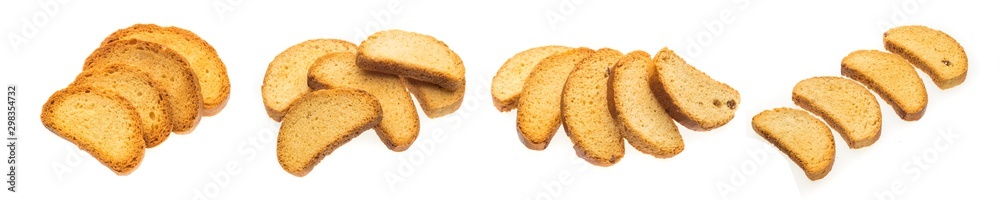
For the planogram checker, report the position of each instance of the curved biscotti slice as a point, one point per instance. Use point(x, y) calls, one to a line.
point(148, 98)
point(287, 75)
point(434, 100)
point(891, 77)
point(101, 123)
point(319, 122)
point(538, 109)
point(166, 68)
point(201, 57)
point(933, 51)
point(509, 80)
point(400, 124)
point(585, 109)
point(805, 139)
point(696, 100)
point(643, 120)
point(845, 105)
point(412, 55)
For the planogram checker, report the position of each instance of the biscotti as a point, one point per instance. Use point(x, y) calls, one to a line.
point(139, 90)
point(538, 109)
point(319, 122)
point(643, 120)
point(932, 51)
point(103, 124)
point(586, 114)
point(805, 139)
point(891, 77)
point(400, 124)
point(508, 82)
point(845, 105)
point(201, 57)
point(696, 100)
point(287, 75)
point(412, 55)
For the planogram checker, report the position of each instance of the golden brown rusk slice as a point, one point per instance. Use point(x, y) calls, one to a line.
point(412, 55)
point(933, 51)
point(287, 75)
point(805, 139)
point(845, 105)
point(586, 111)
point(693, 98)
point(538, 109)
point(434, 100)
point(642, 119)
point(891, 77)
point(509, 81)
point(139, 90)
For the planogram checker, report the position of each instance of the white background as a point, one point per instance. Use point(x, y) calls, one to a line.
point(761, 48)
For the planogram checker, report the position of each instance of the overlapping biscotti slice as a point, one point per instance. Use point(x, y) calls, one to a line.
point(538, 110)
point(434, 100)
point(99, 122)
point(586, 111)
point(891, 77)
point(319, 122)
point(509, 80)
point(933, 51)
point(805, 139)
point(148, 98)
point(412, 55)
point(696, 100)
point(845, 105)
point(201, 57)
point(166, 68)
point(287, 76)
point(643, 120)
point(400, 124)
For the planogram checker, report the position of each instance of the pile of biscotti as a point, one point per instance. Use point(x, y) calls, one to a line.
point(604, 97)
point(142, 83)
point(850, 108)
point(325, 92)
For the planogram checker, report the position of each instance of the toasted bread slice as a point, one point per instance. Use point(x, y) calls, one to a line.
point(434, 100)
point(538, 109)
point(585, 109)
point(412, 55)
point(287, 75)
point(99, 122)
point(319, 122)
point(696, 100)
point(201, 57)
point(891, 77)
point(509, 80)
point(400, 124)
point(166, 68)
point(148, 98)
point(805, 139)
point(845, 105)
point(933, 51)
point(642, 119)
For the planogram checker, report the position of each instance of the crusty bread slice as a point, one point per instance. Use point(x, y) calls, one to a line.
point(933, 51)
point(696, 100)
point(891, 77)
point(509, 80)
point(845, 105)
point(805, 139)
point(538, 109)
point(166, 68)
point(586, 111)
point(203, 60)
point(412, 55)
point(400, 124)
point(642, 119)
point(99, 122)
point(287, 75)
point(434, 100)
point(148, 98)
point(319, 122)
